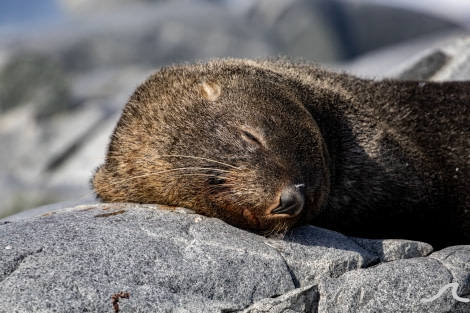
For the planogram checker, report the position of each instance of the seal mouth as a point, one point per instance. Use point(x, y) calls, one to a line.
point(291, 201)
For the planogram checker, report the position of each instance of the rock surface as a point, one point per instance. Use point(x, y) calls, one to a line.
point(75, 259)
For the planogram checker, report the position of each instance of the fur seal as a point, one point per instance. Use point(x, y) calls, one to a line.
point(268, 144)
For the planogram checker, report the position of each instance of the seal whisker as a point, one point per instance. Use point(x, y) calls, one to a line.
point(219, 186)
point(198, 174)
point(279, 230)
point(244, 203)
point(179, 169)
point(199, 158)
point(162, 172)
point(177, 156)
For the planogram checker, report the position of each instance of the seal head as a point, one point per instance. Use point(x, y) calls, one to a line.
point(229, 143)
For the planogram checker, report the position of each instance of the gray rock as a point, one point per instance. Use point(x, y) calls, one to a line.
point(303, 299)
point(314, 253)
point(457, 260)
point(448, 63)
point(76, 258)
point(397, 286)
point(394, 249)
point(395, 60)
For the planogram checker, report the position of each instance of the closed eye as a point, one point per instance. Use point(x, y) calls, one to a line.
point(250, 137)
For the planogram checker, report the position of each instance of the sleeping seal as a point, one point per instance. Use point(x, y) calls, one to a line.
point(268, 144)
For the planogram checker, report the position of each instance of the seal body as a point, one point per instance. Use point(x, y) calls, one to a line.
point(269, 144)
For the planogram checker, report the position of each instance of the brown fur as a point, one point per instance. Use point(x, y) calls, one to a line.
point(378, 159)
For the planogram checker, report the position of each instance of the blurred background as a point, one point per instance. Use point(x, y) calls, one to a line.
point(67, 67)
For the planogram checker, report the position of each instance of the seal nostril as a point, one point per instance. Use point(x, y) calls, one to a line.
point(292, 202)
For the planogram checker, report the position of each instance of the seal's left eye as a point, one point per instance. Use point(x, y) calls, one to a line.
point(250, 137)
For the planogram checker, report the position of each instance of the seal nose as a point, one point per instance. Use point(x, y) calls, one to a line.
point(292, 201)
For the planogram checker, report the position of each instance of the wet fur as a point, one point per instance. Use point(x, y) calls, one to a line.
point(388, 159)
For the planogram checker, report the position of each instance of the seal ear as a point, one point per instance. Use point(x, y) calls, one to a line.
point(209, 90)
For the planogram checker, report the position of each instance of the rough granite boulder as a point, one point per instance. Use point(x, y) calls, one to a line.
point(76, 259)
point(142, 258)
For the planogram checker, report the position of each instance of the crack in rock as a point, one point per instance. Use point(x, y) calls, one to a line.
point(16, 262)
